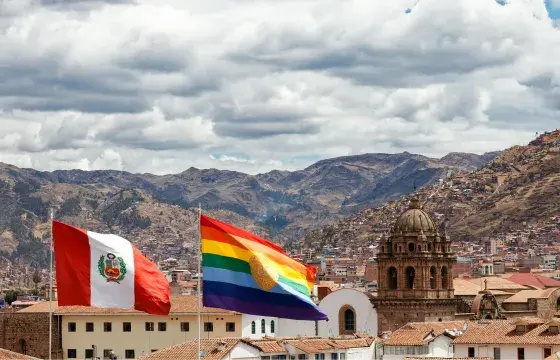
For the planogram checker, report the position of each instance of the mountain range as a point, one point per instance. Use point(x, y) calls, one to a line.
point(518, 190)
point(282, 205)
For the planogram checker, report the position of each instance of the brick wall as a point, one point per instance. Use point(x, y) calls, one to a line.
point(29, 333)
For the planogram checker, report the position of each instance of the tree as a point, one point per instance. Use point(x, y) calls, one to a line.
point(36, 280)
point(11, 296)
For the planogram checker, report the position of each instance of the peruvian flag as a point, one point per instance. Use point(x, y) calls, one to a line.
point(106, 271)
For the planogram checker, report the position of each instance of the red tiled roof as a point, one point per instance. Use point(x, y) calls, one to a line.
point(10, 355)
point(530, 279)
point(413, 334)
point(189, 349)
point(504, 332)
point(180, 304)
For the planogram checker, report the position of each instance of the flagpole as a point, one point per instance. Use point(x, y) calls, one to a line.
point(51, 285)
point(199, 256)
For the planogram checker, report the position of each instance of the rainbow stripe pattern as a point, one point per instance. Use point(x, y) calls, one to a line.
point(246, 273)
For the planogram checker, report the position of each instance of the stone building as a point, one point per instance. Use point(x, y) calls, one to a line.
point(415, 277)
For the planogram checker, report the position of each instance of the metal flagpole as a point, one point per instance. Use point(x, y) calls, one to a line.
point(199, 293)
point(51, 286)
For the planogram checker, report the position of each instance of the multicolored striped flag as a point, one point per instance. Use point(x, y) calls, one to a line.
point(246, 273)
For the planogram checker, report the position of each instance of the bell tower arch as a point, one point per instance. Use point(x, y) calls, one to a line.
point(415, 278)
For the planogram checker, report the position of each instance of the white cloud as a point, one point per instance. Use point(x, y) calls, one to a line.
point(159, 86)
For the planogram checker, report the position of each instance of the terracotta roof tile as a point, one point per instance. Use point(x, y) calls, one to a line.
point(189, 349)
point(413, 334)
point(10, 355)
point(524, 295)
point(535, 280)
point(504, 332)
point(180, 304)
point(309, 345)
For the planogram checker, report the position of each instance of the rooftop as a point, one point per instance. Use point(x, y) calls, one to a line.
point(10, 355)
point(181, 304)
point(504, 332)
point(415, 333)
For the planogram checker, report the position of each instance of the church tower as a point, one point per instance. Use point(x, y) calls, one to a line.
point(415, 280)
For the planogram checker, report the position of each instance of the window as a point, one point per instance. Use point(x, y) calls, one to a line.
point(444, 278)
point(342, 356)
point(349, 320)
point(547, 352)
point(411, 249)
point(89, 354)
point(107, 353)
point(208, 326)
point(71, 354)
point(230, 327)
point(149, 326)
point(471, 352)
point(334, 356)
point(253, 327)
point(520, 353)
point(107, 326)
point(89, 327)
point(263, 326)
point(410, 274)
point(184, 326)
point(126, 327)
point(433, 277)
point(129, 354)
point(302, 357)
point(71, 327)
point(497, 354)
point(153, 350)
point(272, 329)
point(319, 356)
point(392, 278)
point(162, 326)
point(22, 346)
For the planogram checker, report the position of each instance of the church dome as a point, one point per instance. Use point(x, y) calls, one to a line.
point(414, 220)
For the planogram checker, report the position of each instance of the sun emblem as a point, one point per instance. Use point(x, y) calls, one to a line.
point(263, 271)
point(112, 267)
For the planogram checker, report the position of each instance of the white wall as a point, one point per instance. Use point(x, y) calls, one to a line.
point(245, 352)
point(291, 328)
point(532, 352)
point(246, 321)
point(359, 353)
point(366, 315)
point(283, 327)
point(441, 347)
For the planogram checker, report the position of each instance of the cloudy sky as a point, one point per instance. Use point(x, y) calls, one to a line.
point(252, 85)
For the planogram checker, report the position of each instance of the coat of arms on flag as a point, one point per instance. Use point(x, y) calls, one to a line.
point(112, 267)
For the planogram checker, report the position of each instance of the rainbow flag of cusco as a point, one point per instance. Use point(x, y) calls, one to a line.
point(246, 273)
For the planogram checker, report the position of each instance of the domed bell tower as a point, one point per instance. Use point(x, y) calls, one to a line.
point(415, 279)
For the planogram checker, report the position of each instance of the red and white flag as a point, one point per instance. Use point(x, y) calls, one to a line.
point(106, 271)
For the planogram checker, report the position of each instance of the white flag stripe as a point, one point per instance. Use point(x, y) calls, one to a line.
point(111, 293)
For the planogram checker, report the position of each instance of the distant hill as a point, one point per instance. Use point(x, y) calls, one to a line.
point(156, 211)
point(518, 189)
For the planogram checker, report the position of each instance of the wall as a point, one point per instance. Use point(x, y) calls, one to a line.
point(441, 347)
point(245, 352)
point(246, 321)
point(33, 328)
point(359, 353)
point(140, 340)
point(291, 328)
point(366, 315)
point(532, 352)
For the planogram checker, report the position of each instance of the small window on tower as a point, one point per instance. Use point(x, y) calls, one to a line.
point(411, 247)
